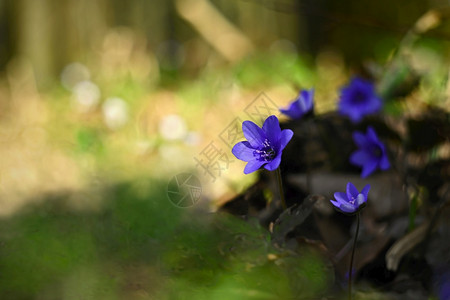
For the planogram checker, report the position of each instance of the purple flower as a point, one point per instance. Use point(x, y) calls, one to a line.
point(358, 99)
point(301, 105)
point(444, 291)
point(352, 201)
point(444, 286)
point(371, 154)
point(263, 146)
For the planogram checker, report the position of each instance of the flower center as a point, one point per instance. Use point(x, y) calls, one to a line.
point(352, 201)
point(266, 153)
point(359, 97)
point(376, 151)
point(357, 201)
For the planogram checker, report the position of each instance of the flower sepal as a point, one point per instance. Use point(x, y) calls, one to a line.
point(359, 209)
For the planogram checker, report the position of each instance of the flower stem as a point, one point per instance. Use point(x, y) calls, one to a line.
point(350, 272)
point(311, 127)
point(280, 188)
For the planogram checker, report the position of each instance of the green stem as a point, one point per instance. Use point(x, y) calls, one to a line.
point(350, 272)
point(280, 188)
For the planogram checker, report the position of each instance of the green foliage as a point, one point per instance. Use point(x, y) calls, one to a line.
point(53, 252)
point(89, 140)
point(275, 68)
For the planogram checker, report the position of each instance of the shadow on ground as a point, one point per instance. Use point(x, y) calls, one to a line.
point(140, 246)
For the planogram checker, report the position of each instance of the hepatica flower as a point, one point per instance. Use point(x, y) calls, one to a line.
point(301, 105)
point(351, 201)
point(371, 153)
point(359, 99)
point(264, 145)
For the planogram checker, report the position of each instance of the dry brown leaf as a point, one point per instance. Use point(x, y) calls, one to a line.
point(404, 245)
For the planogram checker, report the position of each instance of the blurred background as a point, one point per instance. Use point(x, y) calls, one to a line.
point(103, 102)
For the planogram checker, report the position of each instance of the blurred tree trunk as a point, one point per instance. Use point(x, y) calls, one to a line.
point(52, 33)
point(33, 22)
point(6, 49)
point(80, 29)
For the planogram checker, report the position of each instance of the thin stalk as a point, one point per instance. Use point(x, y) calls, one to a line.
point(311, 126)
point(280, 188)
point(350, 272)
